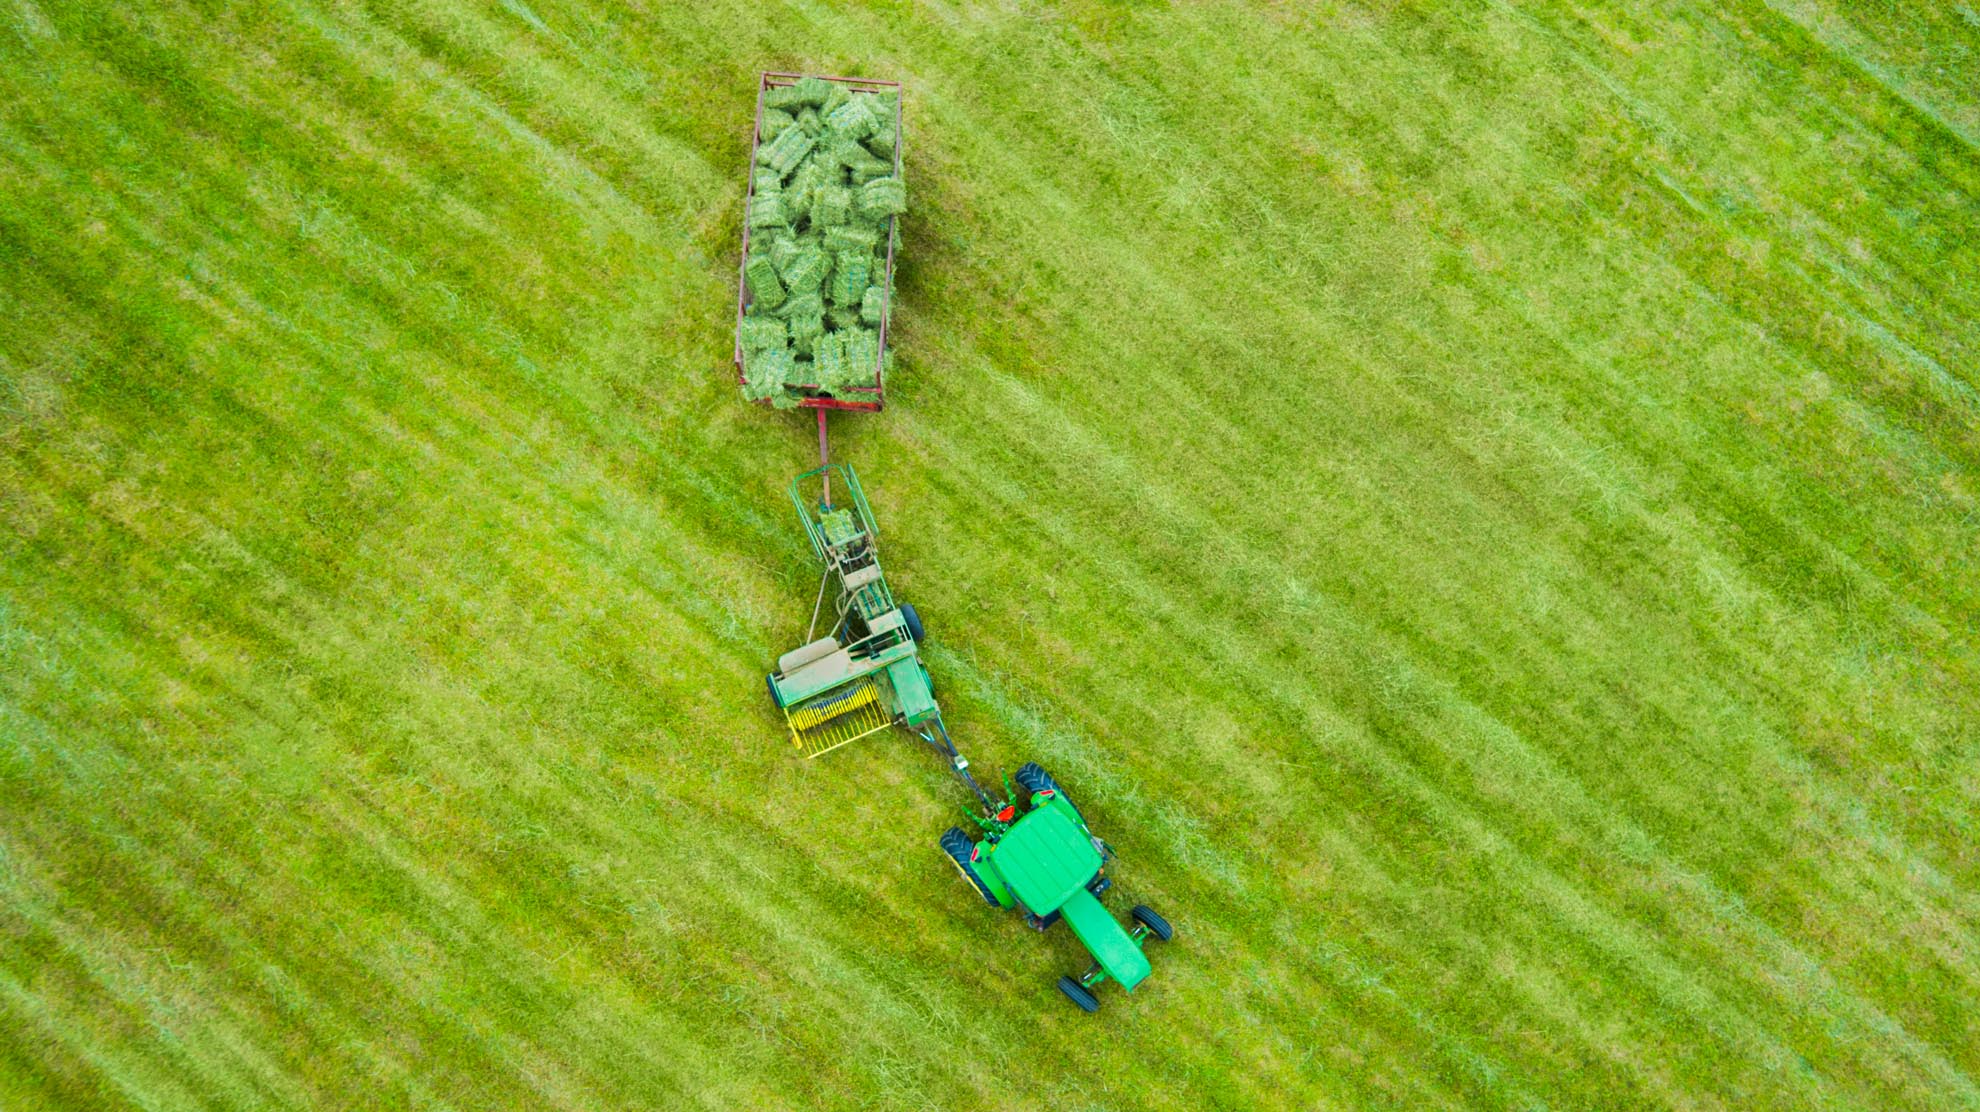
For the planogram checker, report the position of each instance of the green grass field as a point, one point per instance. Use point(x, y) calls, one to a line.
point(1479, 506)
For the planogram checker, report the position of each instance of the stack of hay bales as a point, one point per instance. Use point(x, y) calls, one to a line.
point(819, 221)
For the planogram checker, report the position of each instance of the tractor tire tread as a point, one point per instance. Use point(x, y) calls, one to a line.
point(1079, 994)
point(957, 845)
point(1157, 926)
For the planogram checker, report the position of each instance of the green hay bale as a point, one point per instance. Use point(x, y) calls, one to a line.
point(851, 237)
point(803, 186)
point(836, 97)
point(760, 274)
point(782, 97)
point(811, 123)
point(828, 360)
point(767, 371)
point(873, 306)
point(850, 272)
point(842, 317)
point(853, 119)
point(883, 197)
point(831, 205)
point(807, 323)
point(883, 141)
point(800, 304)
point(836, 149)
point(854, 354)
point(813, 90)
point(784, 251)
point(769, 240)
point(863, 167)
point(862, 356)
point(766, 209)
point(775, 122)
point(839, 526)
point(760, 330)
point(806, 272)
point(783, 153)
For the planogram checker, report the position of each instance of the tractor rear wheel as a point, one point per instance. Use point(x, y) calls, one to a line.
point(957, 845)
point(913, 622)
point(1034, 779)
point(1079, 994)
point(1157, 926)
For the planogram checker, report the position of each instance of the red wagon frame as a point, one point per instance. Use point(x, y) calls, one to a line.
point(871, 397)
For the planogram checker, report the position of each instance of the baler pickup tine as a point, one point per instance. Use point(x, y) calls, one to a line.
point(822, 725)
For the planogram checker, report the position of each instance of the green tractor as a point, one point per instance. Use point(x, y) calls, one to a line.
point(1048, 865)
point(866, 674)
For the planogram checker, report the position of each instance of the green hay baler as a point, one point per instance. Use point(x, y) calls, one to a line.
point(866, 674)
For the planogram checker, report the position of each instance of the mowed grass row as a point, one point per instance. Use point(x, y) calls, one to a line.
point(1479, 508)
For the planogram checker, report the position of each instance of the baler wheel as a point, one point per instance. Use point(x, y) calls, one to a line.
point(1157, 926)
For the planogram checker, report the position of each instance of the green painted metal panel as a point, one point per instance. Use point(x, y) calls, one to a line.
point(1045, 858)
point(912, 699)
point(986, 868)
point(1110, 944)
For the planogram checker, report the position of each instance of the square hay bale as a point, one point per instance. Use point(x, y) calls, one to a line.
point(831, 205)
point(851, 237)
point(854, 119)
point(768, 370)
point(883, 197)
point(806, 272)
point(760, 274)
point(774, 122)
point(766, 209)
point(851, 270)
point(761, 330)
point(783, 153)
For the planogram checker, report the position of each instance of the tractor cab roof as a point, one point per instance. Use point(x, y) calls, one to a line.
point(1045, 857)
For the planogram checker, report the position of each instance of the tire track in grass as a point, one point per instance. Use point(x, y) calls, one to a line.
point(198, 855)
point(1843, 41)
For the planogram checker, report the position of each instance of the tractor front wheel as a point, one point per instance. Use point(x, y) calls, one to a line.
point(1157, 926)
point(913, 622)
point(957, 845)
point(1079, 994)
